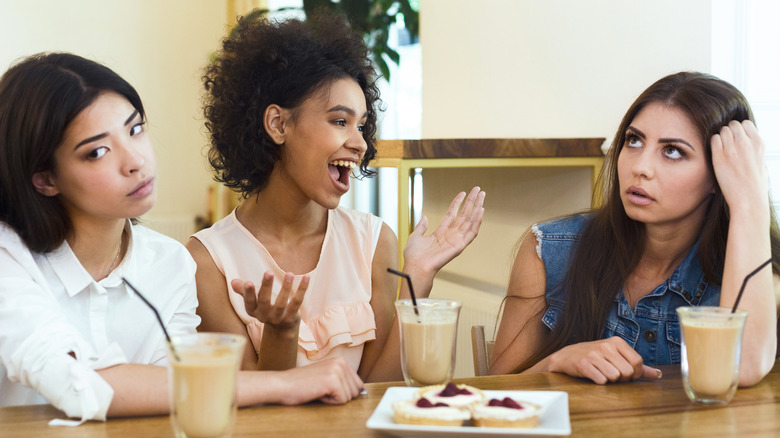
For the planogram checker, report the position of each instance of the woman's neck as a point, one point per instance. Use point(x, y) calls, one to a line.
point(666, 248)
point(98, 244)
point(281, 216)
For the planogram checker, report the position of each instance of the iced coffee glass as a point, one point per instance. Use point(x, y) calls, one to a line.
point(711, 347)
point(202, 383)
point(428, 336)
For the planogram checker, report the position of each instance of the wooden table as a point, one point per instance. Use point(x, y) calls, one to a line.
point(453, 153)
point(636, 409)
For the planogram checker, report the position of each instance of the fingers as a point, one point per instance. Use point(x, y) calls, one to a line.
point(264, 295)
point(452, 210)
point(421, 227)
point(280, 305)
point(247, 290)
point(651, 373)
point(344, 382)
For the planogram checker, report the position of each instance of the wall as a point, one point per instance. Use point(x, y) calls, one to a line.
point(160, 47)
point(527, 68)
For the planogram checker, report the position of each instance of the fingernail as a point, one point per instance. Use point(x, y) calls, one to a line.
point(659, 373)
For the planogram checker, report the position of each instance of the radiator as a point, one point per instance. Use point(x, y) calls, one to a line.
point(179, 227)
point(478, 308)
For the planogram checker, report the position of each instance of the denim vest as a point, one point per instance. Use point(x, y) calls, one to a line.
point(651, 328)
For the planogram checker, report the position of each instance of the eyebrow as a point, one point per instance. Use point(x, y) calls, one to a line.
point(642, 135)
point(346, 109)
point(105, 134)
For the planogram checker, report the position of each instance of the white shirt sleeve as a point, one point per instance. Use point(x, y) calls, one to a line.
point(36, 341)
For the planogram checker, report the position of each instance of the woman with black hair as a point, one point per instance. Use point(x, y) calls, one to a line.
point(76, 166)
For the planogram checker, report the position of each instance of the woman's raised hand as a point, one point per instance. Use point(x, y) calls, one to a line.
point(457, 230)
point(604, 360)
point(738, 161)
point(284, 312)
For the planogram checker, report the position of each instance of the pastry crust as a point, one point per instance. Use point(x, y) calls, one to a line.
point(484, 415)
point(407, 412)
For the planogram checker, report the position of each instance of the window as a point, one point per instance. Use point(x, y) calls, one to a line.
point(746, 52)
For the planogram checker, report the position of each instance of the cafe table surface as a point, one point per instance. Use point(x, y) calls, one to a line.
point(650, 408)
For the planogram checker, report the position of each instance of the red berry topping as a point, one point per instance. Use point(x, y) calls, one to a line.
point(425, 403)
point(451, 390)
point(509, 403)
point(505, 403)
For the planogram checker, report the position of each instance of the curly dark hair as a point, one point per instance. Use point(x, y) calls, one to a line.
point(278, 62)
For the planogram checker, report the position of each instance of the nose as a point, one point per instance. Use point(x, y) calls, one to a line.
point(644, 164)
point(132, 160)
point(356, 142)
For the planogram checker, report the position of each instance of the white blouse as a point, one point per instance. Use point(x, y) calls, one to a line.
point(50, 306)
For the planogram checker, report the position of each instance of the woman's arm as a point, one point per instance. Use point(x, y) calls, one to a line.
point(381, 360)
point(281, 319)
point(738, 160)
point(214, 307)
point(423, 257)
point(522, 334)
point(142, 389)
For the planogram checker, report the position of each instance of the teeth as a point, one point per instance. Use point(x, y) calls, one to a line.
point(343, 163)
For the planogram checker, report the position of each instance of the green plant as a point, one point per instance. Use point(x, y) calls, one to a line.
point(372, 18)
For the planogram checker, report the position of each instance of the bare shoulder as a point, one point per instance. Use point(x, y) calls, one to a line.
point(385, 256)
point(776, 281)
point(527, 279)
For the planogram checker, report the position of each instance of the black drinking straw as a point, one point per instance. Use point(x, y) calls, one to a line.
point(747, 277)
point(157, 314)
point(411, 289)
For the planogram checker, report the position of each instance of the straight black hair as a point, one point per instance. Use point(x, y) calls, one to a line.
point(39, 97)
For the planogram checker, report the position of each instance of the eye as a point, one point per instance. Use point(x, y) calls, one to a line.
point(96, 153)
point(137, 128)
point(673, 152)
point(361, 128)
point(633, 141)
point(341, 122)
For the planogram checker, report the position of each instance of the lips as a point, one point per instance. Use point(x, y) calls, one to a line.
point(637, 195)
point(143, 189)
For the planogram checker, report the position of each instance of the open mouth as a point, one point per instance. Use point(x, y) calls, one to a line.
point(340, 170)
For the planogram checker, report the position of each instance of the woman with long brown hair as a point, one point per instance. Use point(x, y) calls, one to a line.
point(686, 217)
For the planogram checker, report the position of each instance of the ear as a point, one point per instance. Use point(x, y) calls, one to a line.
point(275, 120)
point(43, 184)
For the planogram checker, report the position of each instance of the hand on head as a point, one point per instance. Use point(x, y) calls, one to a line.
point(284, 312)
point(738, 162)
point(457, 230)
point(604, 360)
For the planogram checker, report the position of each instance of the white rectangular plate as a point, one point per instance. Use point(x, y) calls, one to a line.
point(553, 421)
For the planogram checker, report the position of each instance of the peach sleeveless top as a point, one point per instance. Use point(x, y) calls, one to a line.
point(336, 317)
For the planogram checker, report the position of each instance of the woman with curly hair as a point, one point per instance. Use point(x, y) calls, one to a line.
point(76, 165)
point(687, 217)
point(291, 109)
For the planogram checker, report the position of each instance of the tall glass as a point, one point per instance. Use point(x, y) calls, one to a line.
point(428, 337)
point(202, 383)
point(711, 349)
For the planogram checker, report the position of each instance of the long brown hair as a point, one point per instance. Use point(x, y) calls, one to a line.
point(612, 243)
